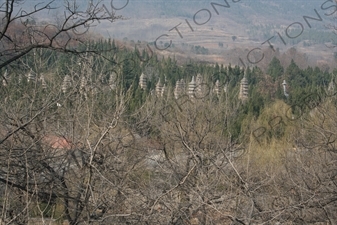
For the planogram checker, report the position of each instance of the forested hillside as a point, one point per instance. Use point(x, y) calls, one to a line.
point(115, 139)
point(204, 127)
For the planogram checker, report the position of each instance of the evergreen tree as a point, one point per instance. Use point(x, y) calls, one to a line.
point(275, 69)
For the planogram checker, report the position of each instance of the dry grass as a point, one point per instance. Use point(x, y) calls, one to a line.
point(46, 221)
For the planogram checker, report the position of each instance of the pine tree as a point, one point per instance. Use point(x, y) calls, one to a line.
point(275, 69)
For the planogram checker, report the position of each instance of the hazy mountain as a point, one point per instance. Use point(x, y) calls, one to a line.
point(243, 15)
point(222, 26)
point(145, 9)
point(271, 9)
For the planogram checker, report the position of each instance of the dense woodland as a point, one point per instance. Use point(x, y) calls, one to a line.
point(82, 143)
point(96, 132)
point(123, 67)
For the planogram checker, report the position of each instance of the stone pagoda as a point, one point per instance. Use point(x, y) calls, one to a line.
point(143, 81)
point(179, 89)
point(243, 95)
point(191, 88)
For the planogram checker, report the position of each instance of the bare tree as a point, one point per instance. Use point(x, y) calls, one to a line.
point(191, 176)
point(290, 177)
point(41, 152)
point(62, 156)
point(20, 33)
